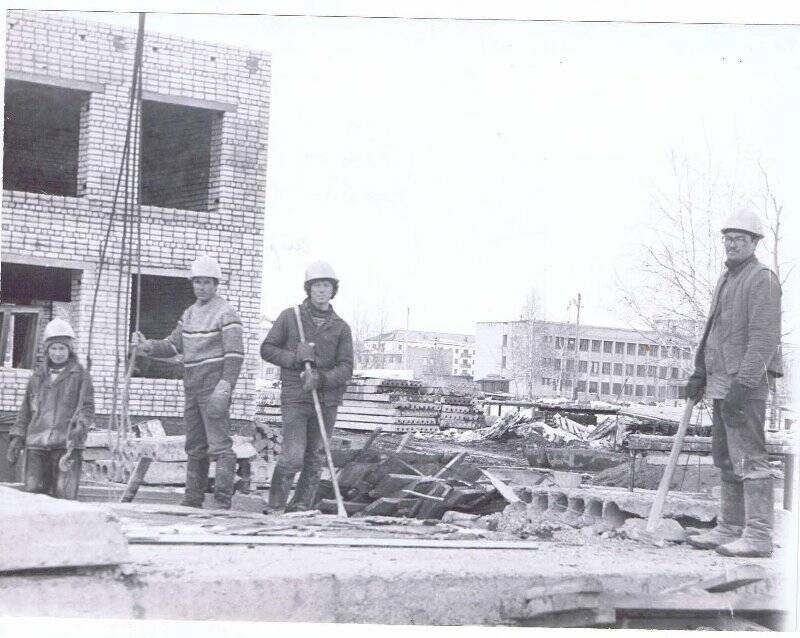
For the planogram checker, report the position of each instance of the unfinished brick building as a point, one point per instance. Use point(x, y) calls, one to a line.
point(203, 173)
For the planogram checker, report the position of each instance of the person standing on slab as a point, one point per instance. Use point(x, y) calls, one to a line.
point(329, 349)
point(54, 418)
point(736, 363)
point(209, 335)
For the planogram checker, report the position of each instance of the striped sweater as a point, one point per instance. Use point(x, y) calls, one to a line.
point(209, 336)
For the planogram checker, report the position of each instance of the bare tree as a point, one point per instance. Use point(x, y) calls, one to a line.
point(525, 360)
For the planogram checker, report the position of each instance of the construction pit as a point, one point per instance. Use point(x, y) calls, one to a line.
point(553, 556)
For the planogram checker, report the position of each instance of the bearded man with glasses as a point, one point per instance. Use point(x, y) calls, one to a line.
point(736, 363)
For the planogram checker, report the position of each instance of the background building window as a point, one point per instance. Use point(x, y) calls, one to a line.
point(606, 367)
point(584, 345)
point(607, 346)
point(619, 347)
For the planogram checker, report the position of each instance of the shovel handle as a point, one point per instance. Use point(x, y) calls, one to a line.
point(666, 478)
point(340, 509)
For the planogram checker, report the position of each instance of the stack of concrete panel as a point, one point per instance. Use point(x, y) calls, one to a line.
point(457, 411)
point(41, 532)
point(394, 405)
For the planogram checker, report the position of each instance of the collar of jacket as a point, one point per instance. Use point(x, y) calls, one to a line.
point(306, 308)
point(72, 366)
point(734, 268)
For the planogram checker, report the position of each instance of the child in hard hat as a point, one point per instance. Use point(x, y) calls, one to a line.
point(329, 350)
point(54, 418)
point(209, 335)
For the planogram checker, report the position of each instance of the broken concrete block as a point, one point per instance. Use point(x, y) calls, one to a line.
point(567, 479)
point(458, 517)
point(166, 448)
point(41, 532)
point(668, 529)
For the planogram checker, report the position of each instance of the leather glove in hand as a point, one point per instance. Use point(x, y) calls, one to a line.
point(695, 387)
point(734, 401)
point(14, 449)
point(141, 343)
point(305, 352)
point(220, 399)
point(312, 380)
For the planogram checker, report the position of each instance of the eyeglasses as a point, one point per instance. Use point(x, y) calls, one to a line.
point(739, 240)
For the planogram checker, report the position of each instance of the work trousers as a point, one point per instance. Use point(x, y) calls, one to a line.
point(43, 476)
point(207, 432)
point(738, 446)
point(302, 447)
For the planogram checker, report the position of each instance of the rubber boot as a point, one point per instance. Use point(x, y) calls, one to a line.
point(279, 486)
point(305, 494)
point(756, 540)
point(730, 522)
point(224, 478)
point(196, 482)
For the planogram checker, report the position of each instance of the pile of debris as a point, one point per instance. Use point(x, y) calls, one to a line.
point(410, 484)
point(552, 430)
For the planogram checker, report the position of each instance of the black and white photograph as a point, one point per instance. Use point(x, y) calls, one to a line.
point(366, 317)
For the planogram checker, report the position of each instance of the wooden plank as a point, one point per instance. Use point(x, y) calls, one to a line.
point(698, 602)
point(230, 539)
point(732, 578)
point(505, 491)
point(452, 463)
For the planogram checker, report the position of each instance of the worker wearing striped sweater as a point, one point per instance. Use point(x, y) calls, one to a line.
point(209, 335)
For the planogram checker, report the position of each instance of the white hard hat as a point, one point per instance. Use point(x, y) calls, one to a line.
point(205, 266)
point(58, 328)
point(745, 220)
point(320, 270)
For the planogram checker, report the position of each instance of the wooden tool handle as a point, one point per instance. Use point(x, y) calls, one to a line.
point(666, 478)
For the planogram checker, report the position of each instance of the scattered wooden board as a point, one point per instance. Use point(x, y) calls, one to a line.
point(231, 539)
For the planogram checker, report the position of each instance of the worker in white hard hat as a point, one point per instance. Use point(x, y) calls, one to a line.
point(736, 363)
point(329, 349)
point(55, 417)
point(209, 335)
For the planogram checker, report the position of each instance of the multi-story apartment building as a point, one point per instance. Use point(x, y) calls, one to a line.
point(426, 353)
point(201, 174)
point(546, 358)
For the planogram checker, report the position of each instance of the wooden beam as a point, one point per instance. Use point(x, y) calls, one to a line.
point(231, 539)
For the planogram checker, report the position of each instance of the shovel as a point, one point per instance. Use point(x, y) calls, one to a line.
point(340, 510)
point(653, 531)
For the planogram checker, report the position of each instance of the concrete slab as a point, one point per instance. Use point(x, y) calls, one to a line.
point(43, 532)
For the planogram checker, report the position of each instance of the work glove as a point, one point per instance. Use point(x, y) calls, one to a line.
point(734, 401)
point(305, 352)
point(14, 449)
point(695, 387)
point(312, 380)
point(77, 433)
point(219, 400)
point(141, 343)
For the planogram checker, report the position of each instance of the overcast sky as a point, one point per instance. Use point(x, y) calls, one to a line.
point(449, 166)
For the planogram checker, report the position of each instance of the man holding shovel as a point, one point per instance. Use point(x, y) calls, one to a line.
point(736, 363)
point(328, 347)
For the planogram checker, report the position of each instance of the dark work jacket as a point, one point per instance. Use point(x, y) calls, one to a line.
point(746, 309)
point(334, 355)
point(43, 419)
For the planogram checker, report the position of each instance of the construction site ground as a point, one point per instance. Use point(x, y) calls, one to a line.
point(189, 564)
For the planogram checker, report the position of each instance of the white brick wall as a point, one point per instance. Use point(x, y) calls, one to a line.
point(72, 228)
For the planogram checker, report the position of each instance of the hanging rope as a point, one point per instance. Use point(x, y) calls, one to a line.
point(131, 226)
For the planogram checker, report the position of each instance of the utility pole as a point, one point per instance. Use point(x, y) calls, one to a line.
point(577, 349)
